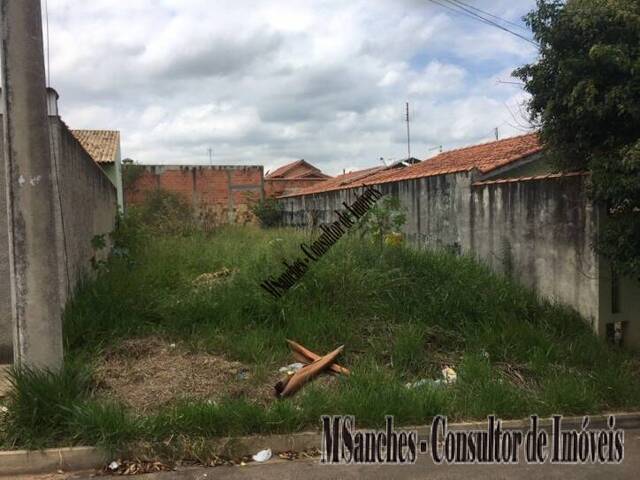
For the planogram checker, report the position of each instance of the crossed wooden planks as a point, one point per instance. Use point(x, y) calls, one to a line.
point(314, 365)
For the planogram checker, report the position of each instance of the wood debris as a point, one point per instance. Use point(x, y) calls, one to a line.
point(292, 383)
point(304, 355)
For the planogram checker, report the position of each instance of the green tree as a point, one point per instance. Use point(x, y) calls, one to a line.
point(585, 95)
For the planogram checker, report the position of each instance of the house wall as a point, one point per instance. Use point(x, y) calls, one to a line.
point(539, 232)
point(275, 187)
point(85, 207)
point(224, 192)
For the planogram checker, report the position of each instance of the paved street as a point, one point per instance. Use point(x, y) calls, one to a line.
point(424, 469)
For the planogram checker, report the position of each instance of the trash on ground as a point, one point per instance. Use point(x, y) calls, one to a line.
point(262, 455)
point(449, 374)
point(292, 368)
point(127, 467)
point(302, 376)
point(424, 381)
point(210, 279)
point(306, 356)
point(449, 377)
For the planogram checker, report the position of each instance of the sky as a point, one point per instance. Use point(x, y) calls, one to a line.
point(273, 81)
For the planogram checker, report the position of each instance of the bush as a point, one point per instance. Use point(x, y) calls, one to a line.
point(268, 211)
point(165, 212)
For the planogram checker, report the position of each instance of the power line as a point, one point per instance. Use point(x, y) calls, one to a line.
point(489, 14)
point(459, 9)
point(488, 21)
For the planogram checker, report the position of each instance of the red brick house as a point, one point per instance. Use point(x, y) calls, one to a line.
point(292, 177)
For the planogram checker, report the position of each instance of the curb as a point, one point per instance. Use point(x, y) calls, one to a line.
point(20, 462)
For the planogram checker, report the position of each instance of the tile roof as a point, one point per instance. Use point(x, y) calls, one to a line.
point(337, 183)
point(102, 145)
point(484, 157)
point(282, 171)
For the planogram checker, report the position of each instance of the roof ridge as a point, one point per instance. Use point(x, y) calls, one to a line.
point(467, 147)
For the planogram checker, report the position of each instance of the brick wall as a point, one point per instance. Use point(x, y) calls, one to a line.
point(221, 192)
point(274, 187)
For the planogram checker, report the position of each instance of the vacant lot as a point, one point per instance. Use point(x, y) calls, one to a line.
point(175, 342)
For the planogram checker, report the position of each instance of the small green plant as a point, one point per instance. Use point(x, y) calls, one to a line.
point(268, 212)
point(384, 221)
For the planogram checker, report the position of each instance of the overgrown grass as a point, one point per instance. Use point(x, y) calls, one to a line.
point(401, 314)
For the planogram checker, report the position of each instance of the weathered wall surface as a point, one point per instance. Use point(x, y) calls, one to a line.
point(85, 207)
point(223, 192)
point(89, 204)
point(6, 323)
point(538, 231)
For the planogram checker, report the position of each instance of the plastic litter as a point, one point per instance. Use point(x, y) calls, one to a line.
point(449, 374)
point(292, 368)
point(262, 455)
point(424, 381)
point(449, 377)
point(113, 466)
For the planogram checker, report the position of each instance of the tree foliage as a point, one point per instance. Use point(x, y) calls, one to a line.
point(585, 95)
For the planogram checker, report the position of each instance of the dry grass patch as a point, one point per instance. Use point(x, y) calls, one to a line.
point(148, 373)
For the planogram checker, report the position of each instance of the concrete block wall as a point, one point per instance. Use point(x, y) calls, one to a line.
point(222, 191)
point(85, 206)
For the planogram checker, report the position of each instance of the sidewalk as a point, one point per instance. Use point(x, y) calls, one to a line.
point(423, 470)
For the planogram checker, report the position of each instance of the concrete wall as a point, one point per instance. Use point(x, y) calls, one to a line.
point(89, 204)
point(85, 206)
point(541, 232)
point(6, 322)
point(222, 192)
point(537, 231)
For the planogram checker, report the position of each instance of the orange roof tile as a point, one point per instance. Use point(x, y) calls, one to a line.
point(282, 171)
point(336, 183)
point(102, 145)
point(484, 157)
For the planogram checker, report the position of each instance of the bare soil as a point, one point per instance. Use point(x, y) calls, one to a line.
point(149, 373)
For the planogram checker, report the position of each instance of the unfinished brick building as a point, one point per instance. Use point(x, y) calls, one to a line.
point(221, 192)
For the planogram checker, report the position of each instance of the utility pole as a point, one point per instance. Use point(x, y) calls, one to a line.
point(28, 174)
point(408, 135)
point(497, 133)
point(210, 150)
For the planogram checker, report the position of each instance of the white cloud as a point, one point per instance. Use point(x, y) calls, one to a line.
point(270, 81)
